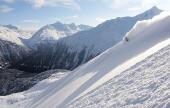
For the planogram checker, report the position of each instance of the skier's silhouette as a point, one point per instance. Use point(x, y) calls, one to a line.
point(126, 39)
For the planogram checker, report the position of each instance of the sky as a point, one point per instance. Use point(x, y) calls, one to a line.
point(33, 14)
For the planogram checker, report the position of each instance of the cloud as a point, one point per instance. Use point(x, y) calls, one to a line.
point(9, 1)
point(5, 9)
point(54, 3)
point(99, 19)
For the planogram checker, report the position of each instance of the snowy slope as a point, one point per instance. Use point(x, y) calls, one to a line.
point(145, 85)
point(56, 31)
point(145, 39)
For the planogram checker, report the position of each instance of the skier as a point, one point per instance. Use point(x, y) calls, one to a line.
point(126, 39)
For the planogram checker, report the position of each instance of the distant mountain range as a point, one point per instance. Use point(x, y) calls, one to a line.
point(56, 31)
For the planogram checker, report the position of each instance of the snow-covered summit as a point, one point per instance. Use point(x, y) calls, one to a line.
point(56, 31)
point(22, 34)
point(10, 35)
point(149, 13)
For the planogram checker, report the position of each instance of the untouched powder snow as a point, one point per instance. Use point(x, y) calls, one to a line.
point(145, 39)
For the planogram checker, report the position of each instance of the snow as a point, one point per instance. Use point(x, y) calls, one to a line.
point(146, 38)
point(122, 76)
point(13, 34)
point(19, 100)
point(107, 34)
point(7, 34)
point(23, 34)
point(144, 85)
point(56, 31)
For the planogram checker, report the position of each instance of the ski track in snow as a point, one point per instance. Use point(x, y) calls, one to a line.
point(145, 85)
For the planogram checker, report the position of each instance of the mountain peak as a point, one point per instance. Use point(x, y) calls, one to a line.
point(11, 27)
point(155, 9)
point(149, 13)
point(58, 23)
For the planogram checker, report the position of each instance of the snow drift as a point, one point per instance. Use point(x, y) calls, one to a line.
point(144, 40)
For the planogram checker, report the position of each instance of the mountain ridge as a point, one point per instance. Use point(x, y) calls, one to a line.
point(68, 52)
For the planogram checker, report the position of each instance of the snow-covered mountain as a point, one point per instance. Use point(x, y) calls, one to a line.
point(23, 34)
point(133, 73)
point(56, 31)
point(8, 34)
point(12, 48)
point(71, 51)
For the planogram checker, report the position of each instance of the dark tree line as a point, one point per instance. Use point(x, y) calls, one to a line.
point(49, 56)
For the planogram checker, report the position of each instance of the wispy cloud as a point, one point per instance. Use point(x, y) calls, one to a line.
point(5, 9)
point(54, 3)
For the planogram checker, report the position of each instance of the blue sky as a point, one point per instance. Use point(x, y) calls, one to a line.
point(33, 14)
